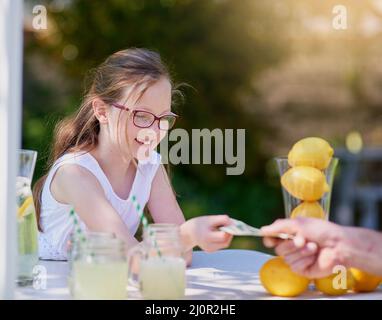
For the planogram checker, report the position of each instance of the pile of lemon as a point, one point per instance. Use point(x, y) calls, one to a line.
point(279, 280)
point(306, 181)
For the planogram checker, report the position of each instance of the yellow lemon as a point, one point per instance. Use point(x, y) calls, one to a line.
point(305, 183)
point(309, 210)
point(363, 281)
point(333, 285)
point(26, 208)
point(311, 152)
point(279, 280)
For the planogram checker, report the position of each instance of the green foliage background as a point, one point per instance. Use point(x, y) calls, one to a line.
point(217, 47)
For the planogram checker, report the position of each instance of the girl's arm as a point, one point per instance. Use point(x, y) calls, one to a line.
point(201, 231)
point(164, 208)
point(77, 186)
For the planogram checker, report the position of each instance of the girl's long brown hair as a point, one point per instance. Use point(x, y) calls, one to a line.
point(131, 69)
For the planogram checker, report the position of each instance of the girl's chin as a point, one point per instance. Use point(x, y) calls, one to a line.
point(142, 151)
point(139, 143)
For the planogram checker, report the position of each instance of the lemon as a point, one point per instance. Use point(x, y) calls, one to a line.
point(309, 210)
point(311, 152)
point(26, 208)
point(279, 280)
point(327, 285)
point(363, 281)
point(305, 183)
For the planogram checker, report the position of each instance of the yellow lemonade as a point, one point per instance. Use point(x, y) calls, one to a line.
point(99, 280)
point(27, 232)
point(163, 278)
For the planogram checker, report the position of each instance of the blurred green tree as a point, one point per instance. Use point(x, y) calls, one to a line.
point(216, 46)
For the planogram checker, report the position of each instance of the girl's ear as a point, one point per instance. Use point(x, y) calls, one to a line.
point(100, 110)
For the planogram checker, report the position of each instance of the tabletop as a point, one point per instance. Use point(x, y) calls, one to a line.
point(223, 275)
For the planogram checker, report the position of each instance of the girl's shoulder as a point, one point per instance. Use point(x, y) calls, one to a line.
point(81, 157)
point(72, 158)
point(79, 163)
point(73, 166)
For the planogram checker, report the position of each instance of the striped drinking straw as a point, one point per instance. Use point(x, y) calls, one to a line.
point(144, 222)
point(78, 234)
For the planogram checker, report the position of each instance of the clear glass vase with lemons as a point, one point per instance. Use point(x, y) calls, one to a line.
point(307, 175)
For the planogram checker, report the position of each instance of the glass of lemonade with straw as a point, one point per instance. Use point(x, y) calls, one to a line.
point(99, 269)
point(77, 238)
point(162, 268)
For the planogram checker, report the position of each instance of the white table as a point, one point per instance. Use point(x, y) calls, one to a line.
point(226, 274)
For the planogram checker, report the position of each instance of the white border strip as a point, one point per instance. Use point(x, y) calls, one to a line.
point(11, 28)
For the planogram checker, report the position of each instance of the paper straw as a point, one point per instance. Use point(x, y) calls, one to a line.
point(140, 212)
point(77, 229)
point(143, 219)
point(144, 222)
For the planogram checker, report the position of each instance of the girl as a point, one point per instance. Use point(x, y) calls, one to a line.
point(96, 165)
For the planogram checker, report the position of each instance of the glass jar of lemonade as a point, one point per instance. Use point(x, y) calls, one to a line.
point(74, 248)
point(162, 267)
point(27, 232)
point(99, 270)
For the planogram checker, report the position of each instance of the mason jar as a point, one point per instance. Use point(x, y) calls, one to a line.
point(74, 246)
point(162, 267)
point(99, 269)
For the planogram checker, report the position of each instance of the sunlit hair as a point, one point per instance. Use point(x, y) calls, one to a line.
point(126, 73)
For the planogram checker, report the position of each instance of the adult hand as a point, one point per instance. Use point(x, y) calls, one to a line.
point(320, 245)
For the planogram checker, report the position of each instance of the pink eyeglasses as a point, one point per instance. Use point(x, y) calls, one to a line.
point(145, 119)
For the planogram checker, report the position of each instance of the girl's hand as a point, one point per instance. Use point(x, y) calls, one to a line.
point(203, 232)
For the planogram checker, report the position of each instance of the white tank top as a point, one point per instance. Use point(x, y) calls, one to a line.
point(55, 219)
